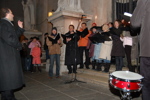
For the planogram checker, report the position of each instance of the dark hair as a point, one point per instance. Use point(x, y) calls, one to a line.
point(35, 38)
point(93, 28)
point(72, 26)
point(31, 38)
point(54, 28)
point(25, 38)
point(111, 23)
point(45, 34)
point(119, 22)
point(3, 12)
point(84, 24)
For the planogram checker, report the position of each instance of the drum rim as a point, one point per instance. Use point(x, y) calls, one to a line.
point(126, 80)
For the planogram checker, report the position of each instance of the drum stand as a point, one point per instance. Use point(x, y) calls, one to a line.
point(75, 80)
point(125, 95)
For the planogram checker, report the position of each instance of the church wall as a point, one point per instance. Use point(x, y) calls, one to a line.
point(41, 14)
point(100, 8)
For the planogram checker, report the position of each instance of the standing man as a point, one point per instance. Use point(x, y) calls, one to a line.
point(84, 33)
point(140, 19)
point(11, 75)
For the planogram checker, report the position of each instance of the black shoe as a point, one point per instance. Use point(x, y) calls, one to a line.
point(106, 68)
point(99, 65)
point(39, 69)
point(93, 65)
point(87, 68)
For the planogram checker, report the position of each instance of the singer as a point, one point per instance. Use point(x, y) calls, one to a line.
point(11, 75)
point(72, 57)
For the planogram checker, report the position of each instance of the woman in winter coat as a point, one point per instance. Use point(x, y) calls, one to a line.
point(97, 48)
point(127, 44)
point(72, 56)
point(106, 47)
point(117, 48)
point(34, 43)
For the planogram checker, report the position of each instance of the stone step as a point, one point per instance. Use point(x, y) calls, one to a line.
point(99, 73)
point(90, 78)
point(93, 76)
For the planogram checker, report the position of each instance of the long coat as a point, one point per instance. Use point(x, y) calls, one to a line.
point(105, 52)
point(72, 55)
point(140, 18)
point(97, 50)
point(117, 48)
point(54, 48)
point(11, 75)
point(36, 52)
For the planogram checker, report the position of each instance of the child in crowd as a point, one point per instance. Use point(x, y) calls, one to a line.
point(36, 52)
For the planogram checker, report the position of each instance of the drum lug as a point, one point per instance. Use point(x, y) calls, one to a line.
point(116, 82)
point(128, 85)
point(141, 85)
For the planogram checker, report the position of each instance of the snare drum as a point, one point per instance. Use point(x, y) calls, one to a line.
point(126, 81)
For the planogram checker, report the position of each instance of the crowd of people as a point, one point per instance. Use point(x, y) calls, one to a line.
point(100, 44)
point(31, 54)
point(103, 45)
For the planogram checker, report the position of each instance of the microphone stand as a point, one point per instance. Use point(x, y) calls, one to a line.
point(75, 65)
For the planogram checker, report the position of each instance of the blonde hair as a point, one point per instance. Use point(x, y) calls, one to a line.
point(105, 28)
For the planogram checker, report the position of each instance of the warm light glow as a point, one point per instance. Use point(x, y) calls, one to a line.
point(71, 23)
point(50, 14)
point(95, 17)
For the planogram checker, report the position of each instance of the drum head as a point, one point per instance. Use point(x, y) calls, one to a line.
point(127, 75)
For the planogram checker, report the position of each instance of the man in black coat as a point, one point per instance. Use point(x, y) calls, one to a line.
point(140, 19)
point(72, 55)
point(11, 75)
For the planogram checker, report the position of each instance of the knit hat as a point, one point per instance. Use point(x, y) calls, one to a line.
point(46, 34)
point(94, 24)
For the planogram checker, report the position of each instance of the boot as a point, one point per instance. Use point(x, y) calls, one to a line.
point(106, 67)
point(133, 68)
point(93, 64)
point(130, 67)
point(81, 66)
point(34, 68)
point(39, 69)
point(87, 67)
point(99, 65)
